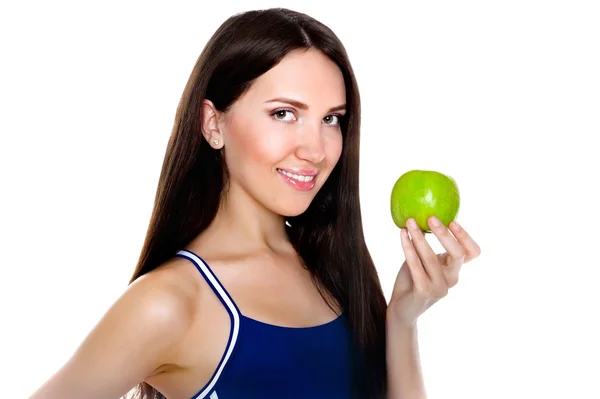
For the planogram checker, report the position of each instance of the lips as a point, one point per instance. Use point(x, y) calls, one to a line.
point(300, 179)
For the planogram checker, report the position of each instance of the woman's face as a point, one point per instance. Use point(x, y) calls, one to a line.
point(283, 138)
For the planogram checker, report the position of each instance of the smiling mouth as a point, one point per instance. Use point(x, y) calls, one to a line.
point(298, 177)
point(300, 181)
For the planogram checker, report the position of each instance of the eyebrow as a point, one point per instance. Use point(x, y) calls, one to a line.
point(301, 105)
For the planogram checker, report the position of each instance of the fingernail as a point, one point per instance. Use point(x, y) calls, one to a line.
point(435, 222)
point(411, 223)
point(456, 225)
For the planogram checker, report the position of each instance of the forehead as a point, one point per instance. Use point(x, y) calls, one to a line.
point(308, 76)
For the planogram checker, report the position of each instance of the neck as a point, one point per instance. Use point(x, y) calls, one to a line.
point(248, 225)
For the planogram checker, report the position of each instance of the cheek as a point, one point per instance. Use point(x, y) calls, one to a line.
point(271, 148)
point(256, 142)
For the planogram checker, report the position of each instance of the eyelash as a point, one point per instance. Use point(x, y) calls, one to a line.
point(340, 117)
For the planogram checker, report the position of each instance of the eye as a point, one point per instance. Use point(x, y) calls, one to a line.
point(280, 114)
point(334, 119)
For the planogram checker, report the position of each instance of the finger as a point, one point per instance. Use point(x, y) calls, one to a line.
point(455, 250)
point(472, 250)
point(452, 272)
point(428, 258)
point(417, 272)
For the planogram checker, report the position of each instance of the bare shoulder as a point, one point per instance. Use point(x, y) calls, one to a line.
point(135, 336)
point(163, 298)
point(169, 293)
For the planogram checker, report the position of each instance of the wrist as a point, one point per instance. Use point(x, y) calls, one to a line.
point(393, 322)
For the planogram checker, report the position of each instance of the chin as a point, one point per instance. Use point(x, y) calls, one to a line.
point(291, 210)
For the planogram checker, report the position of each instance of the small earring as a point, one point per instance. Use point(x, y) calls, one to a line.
point(216, 141)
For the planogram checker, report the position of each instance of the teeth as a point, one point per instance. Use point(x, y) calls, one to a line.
point(296, 177)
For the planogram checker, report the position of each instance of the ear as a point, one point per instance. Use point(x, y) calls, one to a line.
point(210, 125)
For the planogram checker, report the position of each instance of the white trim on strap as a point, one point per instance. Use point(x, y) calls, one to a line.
point(235, 328)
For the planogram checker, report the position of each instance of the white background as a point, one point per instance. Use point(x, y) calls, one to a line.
point(503, 96)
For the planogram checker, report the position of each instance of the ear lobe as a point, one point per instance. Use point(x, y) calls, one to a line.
point(210, 124)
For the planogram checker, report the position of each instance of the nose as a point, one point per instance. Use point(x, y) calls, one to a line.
point(311, 146)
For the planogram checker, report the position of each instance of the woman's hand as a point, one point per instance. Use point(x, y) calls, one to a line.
point(426, 277)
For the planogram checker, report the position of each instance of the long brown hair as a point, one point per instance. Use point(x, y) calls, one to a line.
point(328, 236)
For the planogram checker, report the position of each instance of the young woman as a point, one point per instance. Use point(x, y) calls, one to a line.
point(255, 280)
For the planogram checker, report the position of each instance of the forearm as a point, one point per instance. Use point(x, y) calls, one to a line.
point(405, 380)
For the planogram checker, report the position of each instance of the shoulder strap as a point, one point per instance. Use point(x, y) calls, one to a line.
point(212, 280)
point(232, 309)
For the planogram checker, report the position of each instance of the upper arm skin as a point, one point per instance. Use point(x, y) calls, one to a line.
point(132, 339)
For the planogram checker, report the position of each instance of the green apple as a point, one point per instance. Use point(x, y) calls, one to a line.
point(420, 194)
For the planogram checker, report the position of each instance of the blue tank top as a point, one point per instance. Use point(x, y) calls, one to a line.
point(263, 361)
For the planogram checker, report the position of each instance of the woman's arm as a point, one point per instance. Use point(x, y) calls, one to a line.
point(133, 339)
point(424, 278)
point(405, 380)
